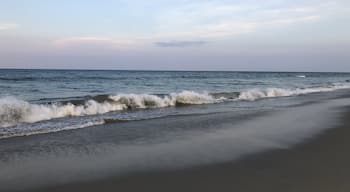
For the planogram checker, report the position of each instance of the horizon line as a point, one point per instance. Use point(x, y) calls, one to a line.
point(172, 70)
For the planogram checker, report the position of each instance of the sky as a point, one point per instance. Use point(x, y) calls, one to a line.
point(235, 35)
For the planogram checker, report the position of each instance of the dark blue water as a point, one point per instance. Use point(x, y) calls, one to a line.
point(43, 84)
point(40, 101)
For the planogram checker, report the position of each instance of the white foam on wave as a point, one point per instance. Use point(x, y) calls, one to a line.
point(190, 97)
point(14, 111)
point(147, 101)
point(141, 100)
point(254, 94)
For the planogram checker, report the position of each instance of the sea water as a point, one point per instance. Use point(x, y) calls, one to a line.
point(44, 101)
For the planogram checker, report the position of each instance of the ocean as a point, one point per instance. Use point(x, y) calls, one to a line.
point(43, 101)
point(63, 126)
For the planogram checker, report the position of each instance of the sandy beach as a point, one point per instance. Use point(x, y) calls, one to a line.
point(319, 164)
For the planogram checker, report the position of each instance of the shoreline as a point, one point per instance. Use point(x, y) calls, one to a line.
point(165, 70)
point(318, 164)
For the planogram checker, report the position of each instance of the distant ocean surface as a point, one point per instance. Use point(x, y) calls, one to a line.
point(44, 101)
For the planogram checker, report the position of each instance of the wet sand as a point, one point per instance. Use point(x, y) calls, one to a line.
point(320, 164)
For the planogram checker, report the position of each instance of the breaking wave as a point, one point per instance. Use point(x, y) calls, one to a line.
point(255, 94)
point(15, 111)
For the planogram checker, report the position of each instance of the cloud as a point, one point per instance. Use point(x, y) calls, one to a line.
point(73, 40)
point(90, 40)
point(197, 22)
point(295, 20)
point(179, 43)
point(210, 19)
point(7, 26)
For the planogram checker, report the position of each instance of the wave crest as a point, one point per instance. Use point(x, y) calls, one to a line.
point(255, 94)
point(141, 101)
point(153, 101)
point(15, 111)
point(191, 97)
